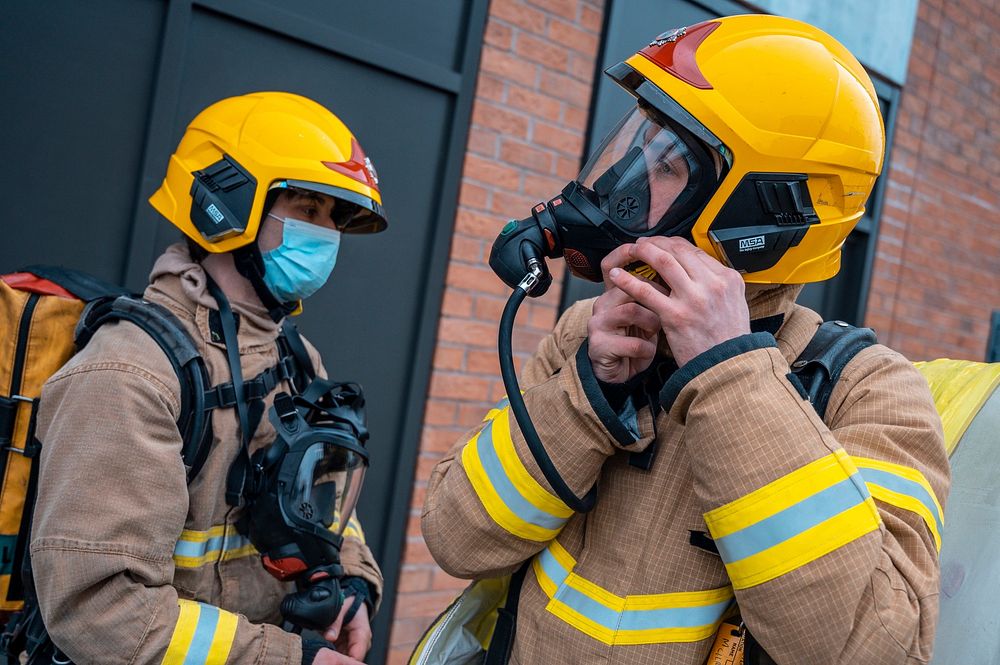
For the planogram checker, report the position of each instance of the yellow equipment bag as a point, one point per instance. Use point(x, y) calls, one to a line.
point(967, 398)
point(38, 317)
point(461, 635)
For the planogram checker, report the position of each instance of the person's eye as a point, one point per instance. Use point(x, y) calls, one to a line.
point(664, 168)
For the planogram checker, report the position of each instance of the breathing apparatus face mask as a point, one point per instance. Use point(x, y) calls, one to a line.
point(304, 491)
point(650, 176)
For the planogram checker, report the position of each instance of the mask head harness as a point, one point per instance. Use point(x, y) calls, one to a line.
point(302, 492)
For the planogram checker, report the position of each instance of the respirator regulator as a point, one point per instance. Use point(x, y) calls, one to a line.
point(303, 491)
point(652, 176)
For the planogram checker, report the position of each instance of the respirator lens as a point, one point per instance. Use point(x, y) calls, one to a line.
point(328, 484)
point(649, 174)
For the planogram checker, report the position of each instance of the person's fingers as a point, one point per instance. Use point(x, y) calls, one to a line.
point(619, 257)
point(644, 292)
point(359, 640)
point(620, 346)
point(624, 316)
point(613, 297)
point(331, 657)
point(331, 633)
point(663, 261)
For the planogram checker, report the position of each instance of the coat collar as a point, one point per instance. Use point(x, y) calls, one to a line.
point(180, 283)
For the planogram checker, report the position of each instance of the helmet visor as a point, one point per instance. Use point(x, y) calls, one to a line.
point(327, 485)
point(351, 212)
point(650, 175)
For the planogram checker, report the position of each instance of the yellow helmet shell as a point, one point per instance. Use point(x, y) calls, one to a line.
point(274, 138)
point(784, 97)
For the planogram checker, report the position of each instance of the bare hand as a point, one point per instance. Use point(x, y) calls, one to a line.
point(356, 637)
point(329, 657)
point(621, 333)
point(705, 305)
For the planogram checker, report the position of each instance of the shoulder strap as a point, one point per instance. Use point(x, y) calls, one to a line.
point(502, 642)
point(171, 336)
point(83, 285)
point(290, 344)
point(818, 367)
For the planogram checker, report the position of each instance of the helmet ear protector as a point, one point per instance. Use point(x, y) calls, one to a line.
point(221, 198)
point(765, 216)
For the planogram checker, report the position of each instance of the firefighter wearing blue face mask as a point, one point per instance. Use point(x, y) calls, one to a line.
point(307, 247)
point(262, 186)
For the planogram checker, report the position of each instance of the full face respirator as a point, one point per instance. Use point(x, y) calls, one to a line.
point(303, 490)
point(651, 176)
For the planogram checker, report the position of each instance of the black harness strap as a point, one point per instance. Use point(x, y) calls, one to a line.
point(239, 471)
point(819, 365)
point(163, 327)
point(502, 642)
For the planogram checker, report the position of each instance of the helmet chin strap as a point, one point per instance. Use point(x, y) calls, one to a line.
point(250, 264)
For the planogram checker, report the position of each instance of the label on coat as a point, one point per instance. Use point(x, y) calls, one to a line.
point(728, 647)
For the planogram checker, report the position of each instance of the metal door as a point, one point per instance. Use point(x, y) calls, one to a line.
point(98, 94)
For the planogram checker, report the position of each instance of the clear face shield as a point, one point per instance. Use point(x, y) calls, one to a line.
point(327, 485)
point(650, 174)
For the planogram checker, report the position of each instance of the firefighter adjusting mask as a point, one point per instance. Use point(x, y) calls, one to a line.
point(650, 176)
point(304, 491)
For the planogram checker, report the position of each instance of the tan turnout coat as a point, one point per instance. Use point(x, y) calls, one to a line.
point(828, 531)
point(121, 545)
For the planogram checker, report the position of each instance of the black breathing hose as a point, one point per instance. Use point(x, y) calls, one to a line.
point(567, 495)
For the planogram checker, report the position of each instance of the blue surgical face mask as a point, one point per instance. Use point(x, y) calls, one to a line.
point(302, 263)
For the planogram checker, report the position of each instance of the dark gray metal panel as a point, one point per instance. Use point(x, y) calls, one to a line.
point(993, 344)
point(429, 30)
point(408, 98)
point(73, 118)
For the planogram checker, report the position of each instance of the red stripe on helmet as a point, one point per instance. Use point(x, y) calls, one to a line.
point(674, 52)
point(358, 167)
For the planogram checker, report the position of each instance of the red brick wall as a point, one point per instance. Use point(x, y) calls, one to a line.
point(526, 142)
point(936, 276)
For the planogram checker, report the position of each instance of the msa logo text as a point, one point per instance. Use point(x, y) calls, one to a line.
point(215, 214)
point(751, 244)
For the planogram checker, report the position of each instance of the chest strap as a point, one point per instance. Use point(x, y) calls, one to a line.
point(223, 395)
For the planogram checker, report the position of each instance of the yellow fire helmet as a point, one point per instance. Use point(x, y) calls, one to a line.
point(240, 149)
point(770, 139)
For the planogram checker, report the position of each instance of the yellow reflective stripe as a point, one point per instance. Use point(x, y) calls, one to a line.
point(906, 488)
point(805, 547)
point(180, 641)
point(246, 550)
point(354, 530)
point(198, 548)
point(529, 488)
point(780, 494)
point(793, 520)
point(203, 635)
point(202, 536)
point(222, 642)
point(492, 502)
point(616, 620)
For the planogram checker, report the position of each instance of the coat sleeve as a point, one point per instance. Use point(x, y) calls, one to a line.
point(355, 555)
point(112, 502)
point(488, 505)
point(830, 535)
